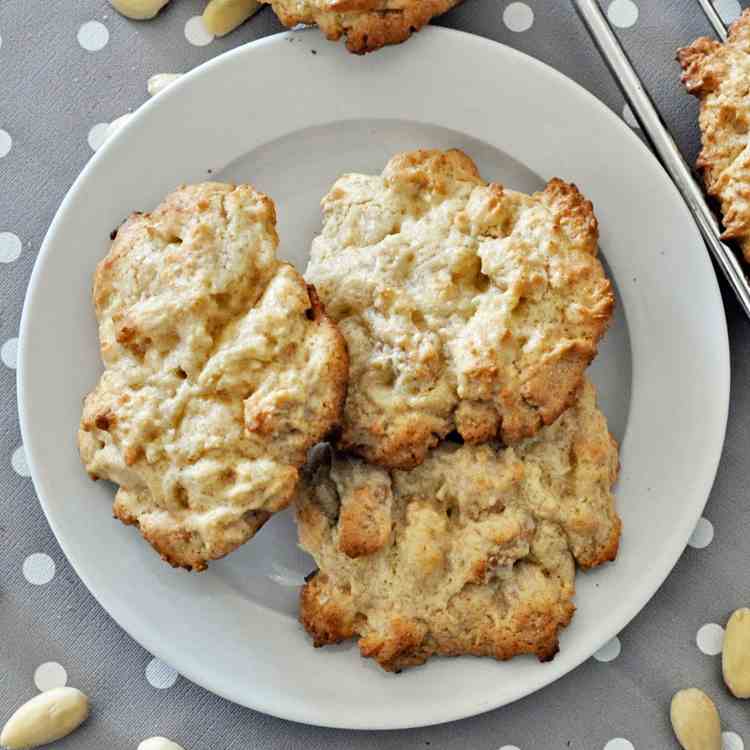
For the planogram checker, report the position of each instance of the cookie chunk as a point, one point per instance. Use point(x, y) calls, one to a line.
point(719, 75)
point(221, 370)
point(367, 24)
point(472, 552)
point(466, 306)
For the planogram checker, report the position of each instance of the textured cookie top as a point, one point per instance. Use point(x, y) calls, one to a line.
point(367, 24)
point(719, 75)
point(472, 552)
point(221, 371)
point(465, 306)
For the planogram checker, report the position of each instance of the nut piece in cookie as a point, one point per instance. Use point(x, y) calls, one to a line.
point(367, 25)
point(466, 306)
point(472, 552)
point(719, 75)
point(221, 370)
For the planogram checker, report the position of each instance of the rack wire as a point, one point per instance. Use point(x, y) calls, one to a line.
point(714, 18)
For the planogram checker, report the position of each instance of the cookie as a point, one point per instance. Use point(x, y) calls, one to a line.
point(221, 370)
point(718, 74)
point(472, 552)
point(367, 24)
point(466, 306)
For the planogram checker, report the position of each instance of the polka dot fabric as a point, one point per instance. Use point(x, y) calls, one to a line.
point(710, 639)
point(39, 569)
point(50, 675)
point(69, 72)
point(518, 17)
point(93, 36)
point(160, 675)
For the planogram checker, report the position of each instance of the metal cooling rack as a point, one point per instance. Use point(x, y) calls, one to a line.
point(653, 126)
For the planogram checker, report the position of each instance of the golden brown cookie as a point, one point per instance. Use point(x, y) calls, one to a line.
point(466, 306)
point(472, 552)
point(719, 75)
point(221, 370)
point(367, 24)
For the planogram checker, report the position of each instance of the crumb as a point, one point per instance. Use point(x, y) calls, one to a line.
point(314, 51)
point(210, 171)
point(113, 234)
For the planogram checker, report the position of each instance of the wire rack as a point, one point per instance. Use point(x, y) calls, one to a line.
point(670, 156)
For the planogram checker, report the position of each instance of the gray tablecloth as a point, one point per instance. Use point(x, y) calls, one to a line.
point(61, 76)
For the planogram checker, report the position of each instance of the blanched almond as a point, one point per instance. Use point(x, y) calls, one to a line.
point(695, 720)
point(222, 16)
point(47, 717)
point(139, 10)
point(735, 658)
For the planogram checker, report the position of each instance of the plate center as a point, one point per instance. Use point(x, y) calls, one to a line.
point(296, 171)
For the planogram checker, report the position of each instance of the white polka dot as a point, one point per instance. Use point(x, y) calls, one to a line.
point(729, 10)
point(18, 462)
point(710, 639)
point(97, 135)
point(10, 247)
point(39, 569)
point(160, 675)
point(518, 17)
point(509, 747)
point(703, 534)
point(622, 13)
point(731, 741)
point(629, 117)
point(619, 743)
point(609, 651)
point(197, 33)
point(50, 675)
point(93, 36)
point(6, 143)
point(9, 353)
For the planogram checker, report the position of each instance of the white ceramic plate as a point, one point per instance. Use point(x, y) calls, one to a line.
point(289, 114)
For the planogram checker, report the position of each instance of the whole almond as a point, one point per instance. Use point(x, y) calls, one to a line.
point(139, 10)
point(695, 720)
point(735, 659)
point(222, 16)
point(49, 716)
point(159, 743)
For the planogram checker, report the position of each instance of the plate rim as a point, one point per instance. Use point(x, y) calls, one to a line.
point(151, 641)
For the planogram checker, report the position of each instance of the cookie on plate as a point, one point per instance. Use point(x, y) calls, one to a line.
point(719, 75)
point(472, 552)
point(367, 24)
point(221, 370)
point(466, 306)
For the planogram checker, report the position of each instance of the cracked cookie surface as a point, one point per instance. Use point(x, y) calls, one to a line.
point(465, 306)
point(367, 25)
point(221, 370)
point(472, 552)
point(719, 75)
